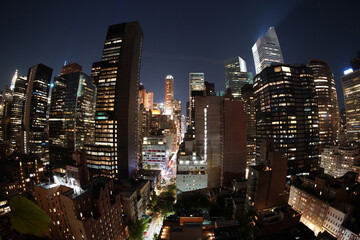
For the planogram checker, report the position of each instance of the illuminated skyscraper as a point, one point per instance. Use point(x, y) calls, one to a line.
point(169, 95)
point(236, 75)
point(36, 111)
point(196, 88)
point(351, 87)
point(327, 102)
point(117, 79)
point(72, 112)
point(196, 82)
point(17, 108)
point(287, 112)
point(267, 50)
point(5, 110)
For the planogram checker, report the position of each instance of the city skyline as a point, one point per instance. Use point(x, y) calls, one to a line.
point(105, 152)
point(175, 46)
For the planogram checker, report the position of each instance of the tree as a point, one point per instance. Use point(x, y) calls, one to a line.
point(164, 203)
point(171, 188)
point(136, 229)
point(193, 202)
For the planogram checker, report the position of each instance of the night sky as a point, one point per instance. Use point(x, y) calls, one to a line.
point(179, 36)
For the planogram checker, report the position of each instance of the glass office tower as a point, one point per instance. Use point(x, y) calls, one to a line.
point(72, 113)
point(196, 88)
point(17, 108)
point(351, 87)
point(236, 75)
point(267, 50)
point(327, 102)
point(116, 77)
point(287, 112)
point(36, 111)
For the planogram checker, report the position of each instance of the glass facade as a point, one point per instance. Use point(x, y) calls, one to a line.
point(72, 112)
point(36, 111)
point(351, 88)
point(17, 107)
point(249, 106)
point(116, 76)
point(287, 111)
point(236, 75)
point(327, 102)
point(196, 88)
point(267, 50)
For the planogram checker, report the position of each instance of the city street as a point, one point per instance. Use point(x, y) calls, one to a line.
point(171, 172)
point(154, 228)
point(156, 224)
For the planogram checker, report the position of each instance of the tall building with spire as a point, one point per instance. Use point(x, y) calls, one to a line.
point(236, 75)
point(116, 77)
point(169, 95)
point(267, 50)
point(327, 102)
point(36, 111)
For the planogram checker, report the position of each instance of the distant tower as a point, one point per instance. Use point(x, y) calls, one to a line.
point(36, 111)
point(116, 76)
point(236, 75)
point(267, 50)
point(327, 102)
point(169, 95)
